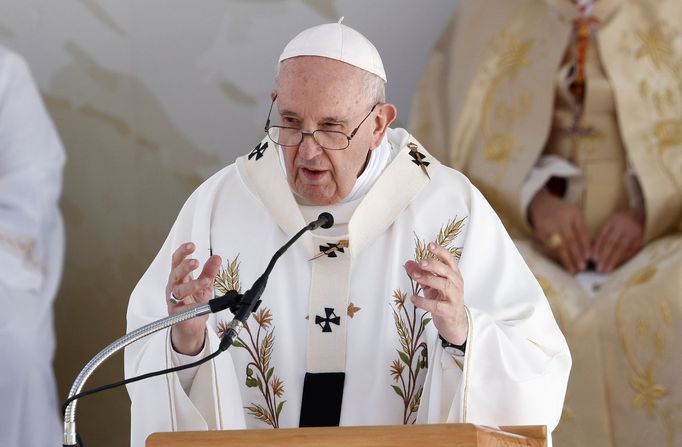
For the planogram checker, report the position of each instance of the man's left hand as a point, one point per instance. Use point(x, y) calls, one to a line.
point(442, 293)
point(619, 239)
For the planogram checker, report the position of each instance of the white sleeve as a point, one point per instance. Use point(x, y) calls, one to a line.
point(549, 166)
point(186, 376)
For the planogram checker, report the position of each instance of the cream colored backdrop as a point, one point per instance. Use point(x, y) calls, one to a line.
point(151, 97)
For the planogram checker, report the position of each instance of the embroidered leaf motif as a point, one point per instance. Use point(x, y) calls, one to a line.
point(260, 413)
point(222, 329)
point(263, 317)
point(259, 373)
point(352, 310)
point(397, 369)
point(416, 400)
point(279, 408)
point(399, 298)
point(410, 324)
point(398, 391)
point(228, 278)
point(277, 388)
point(404, 358)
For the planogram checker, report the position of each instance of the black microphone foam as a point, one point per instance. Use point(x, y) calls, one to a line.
point(326, 219)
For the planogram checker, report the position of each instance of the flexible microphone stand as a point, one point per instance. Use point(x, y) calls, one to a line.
point(241, 306)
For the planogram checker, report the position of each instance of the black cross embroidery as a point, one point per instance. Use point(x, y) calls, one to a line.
point(329, 311)
point(258, 151)
point(418, 158)
point(330, 249)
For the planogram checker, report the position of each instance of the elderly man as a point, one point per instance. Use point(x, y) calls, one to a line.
point(414, 307)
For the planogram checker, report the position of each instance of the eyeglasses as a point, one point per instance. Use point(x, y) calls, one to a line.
point(332, 140)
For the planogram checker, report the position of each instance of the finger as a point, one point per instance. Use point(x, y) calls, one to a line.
point(601, 242)
point(615, 257)
point(181, 273)
point(443, 255)
point(611, 248)
point(564, 258)
point(211, 267)
point(438, 268)
point(429, 305)
point(181, 253)
point(582, 235)
point(572, 247)
point(191, 289)
point(427, 279)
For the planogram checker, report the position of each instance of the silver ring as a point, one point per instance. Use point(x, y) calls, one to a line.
point(174, 300)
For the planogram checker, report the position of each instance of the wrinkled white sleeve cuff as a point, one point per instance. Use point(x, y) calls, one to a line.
point(549, 166)
point(186, 376)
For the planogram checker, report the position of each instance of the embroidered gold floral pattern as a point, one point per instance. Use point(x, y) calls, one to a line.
point(655, 45)
point(646, 331)
point(410, 324)
point(648, 392)
point(511, 54)
point(259, 373)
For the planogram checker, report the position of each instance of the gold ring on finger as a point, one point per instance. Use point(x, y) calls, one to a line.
point(555, 241)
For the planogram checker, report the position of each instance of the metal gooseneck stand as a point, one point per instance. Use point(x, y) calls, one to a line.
point(89, 368)
point(241, 306)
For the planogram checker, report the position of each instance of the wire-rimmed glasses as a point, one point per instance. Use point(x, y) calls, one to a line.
point(332, 140)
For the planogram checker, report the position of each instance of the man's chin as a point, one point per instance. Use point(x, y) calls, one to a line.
point(316, 196)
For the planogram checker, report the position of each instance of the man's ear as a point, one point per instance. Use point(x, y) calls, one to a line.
point(386, 114)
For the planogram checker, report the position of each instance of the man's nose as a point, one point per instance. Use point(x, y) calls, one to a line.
point(308, 148)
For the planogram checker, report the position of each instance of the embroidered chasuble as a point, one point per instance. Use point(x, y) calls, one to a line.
point(336, 339)
point(507, 77)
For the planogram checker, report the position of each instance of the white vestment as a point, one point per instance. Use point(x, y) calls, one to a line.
point(341, 303)
point(31, 254)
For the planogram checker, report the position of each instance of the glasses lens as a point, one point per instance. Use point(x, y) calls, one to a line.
point(285, 136)
point(330, 139)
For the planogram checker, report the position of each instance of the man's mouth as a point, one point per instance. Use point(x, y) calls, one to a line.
point(312, 175)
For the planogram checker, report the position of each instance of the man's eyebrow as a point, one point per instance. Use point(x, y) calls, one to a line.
point(326, 119)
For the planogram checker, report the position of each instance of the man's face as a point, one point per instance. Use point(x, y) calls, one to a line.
point(316, 93)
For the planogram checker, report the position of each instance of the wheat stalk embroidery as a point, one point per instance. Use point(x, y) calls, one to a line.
point(259, 372)
point(410, 324)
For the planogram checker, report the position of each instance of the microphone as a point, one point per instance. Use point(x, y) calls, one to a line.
point(240, 305)
point(251, 299)
point(324, 220)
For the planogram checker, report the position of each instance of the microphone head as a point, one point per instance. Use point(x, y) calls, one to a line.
point(327, 220)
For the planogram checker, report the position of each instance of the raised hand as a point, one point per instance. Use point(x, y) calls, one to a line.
point(442, 293)
point(183, 293)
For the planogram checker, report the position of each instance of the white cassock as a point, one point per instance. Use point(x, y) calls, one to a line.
point(31, 254)
point(336, 314)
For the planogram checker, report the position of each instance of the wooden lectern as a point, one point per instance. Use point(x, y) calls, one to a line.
point(435, 435)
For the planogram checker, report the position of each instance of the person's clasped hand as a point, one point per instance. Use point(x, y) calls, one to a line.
point(562, 229)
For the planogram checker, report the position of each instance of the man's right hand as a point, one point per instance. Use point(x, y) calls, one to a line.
point(561, 227)
point(188, 337)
